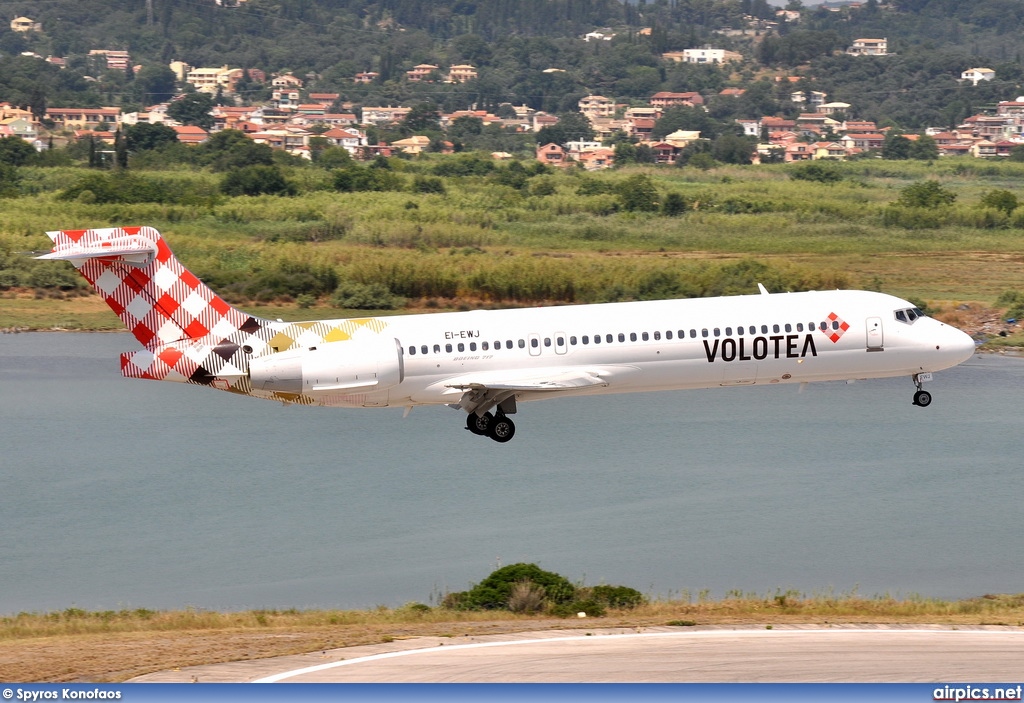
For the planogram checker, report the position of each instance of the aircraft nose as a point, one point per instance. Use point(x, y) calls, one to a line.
point(957, 346)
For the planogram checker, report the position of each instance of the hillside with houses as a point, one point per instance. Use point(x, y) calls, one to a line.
point(691, 83)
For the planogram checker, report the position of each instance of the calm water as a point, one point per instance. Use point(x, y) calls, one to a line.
point(118, 493)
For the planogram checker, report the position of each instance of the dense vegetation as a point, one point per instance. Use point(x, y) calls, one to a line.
point(326, 42)
point(460, 230)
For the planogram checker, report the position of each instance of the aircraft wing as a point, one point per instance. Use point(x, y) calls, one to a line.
point(532, 380)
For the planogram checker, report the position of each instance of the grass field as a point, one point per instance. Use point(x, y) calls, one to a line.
point(76, 645)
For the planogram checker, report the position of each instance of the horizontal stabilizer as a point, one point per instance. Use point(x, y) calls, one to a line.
point(133, 250)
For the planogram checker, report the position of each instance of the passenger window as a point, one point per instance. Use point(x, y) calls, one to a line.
point(485, 346)
point(508, 344)
point(645, 336)
point(718, 332)
point(704, 332)
point(668, 335)
point(462, 347)
point(448, 348)
point(799, 327)
point(597, 339)
point(764, 329)
point(472, 346)
point(789, 327)
point(622, 337)
point(424, 349)
point(437, 348)
point(728, 332)
point(608, 338)
point(412, 351)
point(586, 339)
point(693, 334)
point(572, 341)
point(522, 344)
point(657, 336)
point(547, 341)
point(561, 341)
point(775, 329)
point(632, 336)
point(824, 326)
point(534, 343)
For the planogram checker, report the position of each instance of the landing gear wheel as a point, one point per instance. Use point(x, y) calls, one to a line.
point(502, 429)
point(922, 399)
point(479, 424)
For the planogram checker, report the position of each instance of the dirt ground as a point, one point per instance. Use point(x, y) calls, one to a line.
point(118, 656)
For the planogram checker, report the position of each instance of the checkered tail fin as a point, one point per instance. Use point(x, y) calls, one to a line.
point(156, 297)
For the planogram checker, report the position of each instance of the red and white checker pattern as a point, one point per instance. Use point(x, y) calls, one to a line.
point(836, 327)
point(160, 302)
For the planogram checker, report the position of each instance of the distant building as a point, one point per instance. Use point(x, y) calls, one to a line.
point(421, 72)
point(976, 75)
point(25, 24)
point(667, 99)
point(597, 106)
point(461, 73)
point(366, 77)
point(116, 60)
point(702, 56)
point(869, 47)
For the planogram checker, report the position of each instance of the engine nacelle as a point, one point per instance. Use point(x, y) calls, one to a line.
point(353, 366)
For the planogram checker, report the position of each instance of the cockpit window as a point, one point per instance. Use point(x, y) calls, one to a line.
point(909, 315)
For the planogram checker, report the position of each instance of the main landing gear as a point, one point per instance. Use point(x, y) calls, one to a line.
point(498, 427)
point(922, 398)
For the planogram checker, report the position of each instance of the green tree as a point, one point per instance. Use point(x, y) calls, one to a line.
point(230, 148)
point(572, 126)
point(897, 147)
point(637, 193)
point(924, 148)
point(256, 180)
point(144, 136)
point(192, 109)
point(926, 194)
point(1000, 200)
point(154, 83)
point(15, 151)
point(422, 117)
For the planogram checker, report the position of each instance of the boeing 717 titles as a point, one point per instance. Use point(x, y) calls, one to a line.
point(485, 363)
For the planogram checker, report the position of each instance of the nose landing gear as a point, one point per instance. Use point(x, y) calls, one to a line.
point(922, 398)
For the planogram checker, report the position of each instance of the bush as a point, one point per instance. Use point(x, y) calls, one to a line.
point(637, 193)
point(365, 296)
point(256, 180)
point(926, 194)
point(1013, 301)
point(617, 596)
point(818, 172)
point(428, 184)
point(1002, 200)
point(495, 591)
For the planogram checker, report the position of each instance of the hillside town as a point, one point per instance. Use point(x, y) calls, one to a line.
point(295, 115)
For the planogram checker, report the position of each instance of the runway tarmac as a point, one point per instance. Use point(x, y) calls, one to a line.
point(782, 654)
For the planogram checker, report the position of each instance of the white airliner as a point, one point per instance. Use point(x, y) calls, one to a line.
point(485, 362)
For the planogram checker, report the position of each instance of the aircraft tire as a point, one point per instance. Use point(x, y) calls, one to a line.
point(479, 424)
point(501, 430)
point(922, 399)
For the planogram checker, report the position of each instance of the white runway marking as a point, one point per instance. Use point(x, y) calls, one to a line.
point(593, 638)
